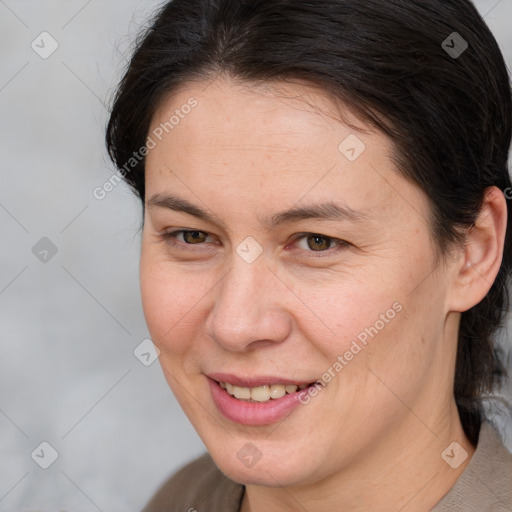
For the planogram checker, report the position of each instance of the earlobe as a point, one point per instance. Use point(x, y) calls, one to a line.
point(483, 253)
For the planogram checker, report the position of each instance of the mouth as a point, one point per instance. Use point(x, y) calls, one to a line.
point(259, 400)
point(262, 393)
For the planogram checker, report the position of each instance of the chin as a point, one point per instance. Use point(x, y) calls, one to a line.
point(272, 470)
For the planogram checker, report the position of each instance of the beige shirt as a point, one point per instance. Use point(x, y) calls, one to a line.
point(484, 486)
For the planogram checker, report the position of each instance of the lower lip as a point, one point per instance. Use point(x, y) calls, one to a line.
point(252, 413)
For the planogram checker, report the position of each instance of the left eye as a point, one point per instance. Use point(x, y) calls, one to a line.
point(319, 243)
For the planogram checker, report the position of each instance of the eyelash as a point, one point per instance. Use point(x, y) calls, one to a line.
point(170, 238)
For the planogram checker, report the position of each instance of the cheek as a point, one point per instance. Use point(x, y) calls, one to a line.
point(375, 321)
point(347, 310)
point(170, 301)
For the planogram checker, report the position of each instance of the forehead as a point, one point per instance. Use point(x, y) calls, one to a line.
point(285, 140)
point(277, 114)
point(276, 122)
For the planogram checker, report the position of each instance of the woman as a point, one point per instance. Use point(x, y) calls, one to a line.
point(325, 249)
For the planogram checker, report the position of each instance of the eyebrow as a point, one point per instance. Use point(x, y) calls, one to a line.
point(324, 211)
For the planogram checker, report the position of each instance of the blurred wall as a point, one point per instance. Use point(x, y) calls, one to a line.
point(70, 307)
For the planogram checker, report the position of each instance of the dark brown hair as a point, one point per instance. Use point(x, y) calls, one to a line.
point(444, 99)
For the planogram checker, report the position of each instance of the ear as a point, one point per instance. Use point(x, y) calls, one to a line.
point(480, 260)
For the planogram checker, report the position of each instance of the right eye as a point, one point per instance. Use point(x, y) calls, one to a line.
point(189, 237)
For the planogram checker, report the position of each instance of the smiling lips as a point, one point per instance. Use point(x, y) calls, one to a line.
point(261, 393)
point(255, 401)
point(258, 389)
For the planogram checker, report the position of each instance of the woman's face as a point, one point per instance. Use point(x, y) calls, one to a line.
point(314, 264)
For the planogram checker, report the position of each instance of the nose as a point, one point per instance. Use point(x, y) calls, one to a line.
point(249, 308)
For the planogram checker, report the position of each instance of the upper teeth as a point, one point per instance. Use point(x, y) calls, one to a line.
point(260, 393)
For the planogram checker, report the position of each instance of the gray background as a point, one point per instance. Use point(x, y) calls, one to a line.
point(68, 374)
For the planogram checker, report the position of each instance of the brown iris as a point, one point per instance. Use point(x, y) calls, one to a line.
point(318, 239)
point(192, 237)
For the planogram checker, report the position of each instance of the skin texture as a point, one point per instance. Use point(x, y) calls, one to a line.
point(372, 438)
